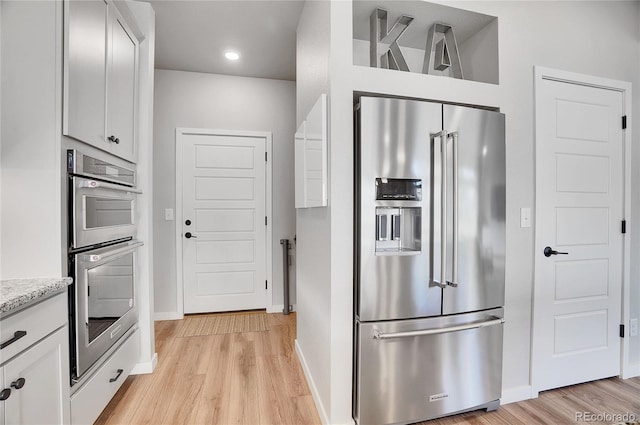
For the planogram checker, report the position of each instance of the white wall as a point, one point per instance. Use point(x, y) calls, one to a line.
point(32, 240)
point(144, 16)
point(597, 38)
point(313, 225)
point(634, 347)
point(189, 99)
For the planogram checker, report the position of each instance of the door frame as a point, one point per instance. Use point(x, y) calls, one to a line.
point(543, 73)
point(180, 133)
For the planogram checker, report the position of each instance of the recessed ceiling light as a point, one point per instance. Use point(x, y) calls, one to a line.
point(232, 56)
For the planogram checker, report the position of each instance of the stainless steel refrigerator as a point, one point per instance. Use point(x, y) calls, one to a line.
point(429, 260)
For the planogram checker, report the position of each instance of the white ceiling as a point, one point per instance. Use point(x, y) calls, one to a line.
point(193, 36)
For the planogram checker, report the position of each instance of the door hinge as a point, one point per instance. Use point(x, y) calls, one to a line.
point(265, 284)
point(624, 122)
point(624, 226)
point(265, 220)
point(265, 157)
point(621, 331)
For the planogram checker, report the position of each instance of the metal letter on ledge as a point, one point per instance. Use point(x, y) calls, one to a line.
point(446, 51)
point(385, 51)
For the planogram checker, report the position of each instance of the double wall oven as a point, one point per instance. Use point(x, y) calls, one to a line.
point(102, 257)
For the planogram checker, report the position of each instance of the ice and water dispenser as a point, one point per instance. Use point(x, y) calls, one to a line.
point(398, 222)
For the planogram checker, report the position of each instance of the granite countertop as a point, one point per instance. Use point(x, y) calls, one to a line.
point(16, 294)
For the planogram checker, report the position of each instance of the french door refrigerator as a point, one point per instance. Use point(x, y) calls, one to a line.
point(430, 255)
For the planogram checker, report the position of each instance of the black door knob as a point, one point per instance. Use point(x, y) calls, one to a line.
point(17, 384)
point(188, 235)
point(114, 139)
point(4, 394)
point(188, 222)
point(548, 251)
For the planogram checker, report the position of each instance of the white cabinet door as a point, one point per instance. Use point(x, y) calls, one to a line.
point(39, 383)
point(121, 88)
point(85, 71)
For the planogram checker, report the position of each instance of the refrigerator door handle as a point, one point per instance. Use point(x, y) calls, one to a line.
point(442, 135)
point(454, 259)
point(376, 334)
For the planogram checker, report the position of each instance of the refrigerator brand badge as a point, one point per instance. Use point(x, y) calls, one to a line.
point(438, 397)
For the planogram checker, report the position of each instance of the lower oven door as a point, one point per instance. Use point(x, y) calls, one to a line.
point(101, 212)
point(413, 370)
point(104, 301)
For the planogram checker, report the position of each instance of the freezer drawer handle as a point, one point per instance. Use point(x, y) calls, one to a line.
point(494, 321)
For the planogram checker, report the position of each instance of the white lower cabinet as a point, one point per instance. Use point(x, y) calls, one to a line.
point(39, 387)
point(94, 394)
point(34, 365)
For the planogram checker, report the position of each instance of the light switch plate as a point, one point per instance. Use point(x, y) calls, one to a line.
point(633, 327)
point(168, 214)
point(525, 217)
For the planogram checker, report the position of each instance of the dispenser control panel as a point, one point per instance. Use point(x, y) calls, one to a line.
point(398, 189)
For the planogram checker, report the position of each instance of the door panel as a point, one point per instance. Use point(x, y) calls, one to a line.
point(224, 195)
point(582, 279)
point(121, 85)
point(579, 200)
point(481, 209)
point(86, 58)
point(395, 143)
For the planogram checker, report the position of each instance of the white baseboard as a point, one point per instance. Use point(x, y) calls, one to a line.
point(632, 371)
point(146, 367)
point(167, 315)
point(512, 395)
point(312, 386)
point(278, 308)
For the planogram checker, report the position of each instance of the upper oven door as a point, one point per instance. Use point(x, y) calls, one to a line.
point(101, 212)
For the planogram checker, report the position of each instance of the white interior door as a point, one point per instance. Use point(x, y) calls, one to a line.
point(579, 211)
point(223, 222)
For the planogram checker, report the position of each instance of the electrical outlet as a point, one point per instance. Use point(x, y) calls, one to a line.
point(633, 327)
point(168, 214)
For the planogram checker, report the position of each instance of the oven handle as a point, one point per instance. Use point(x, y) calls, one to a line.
point(94, 258)
point(93, 184)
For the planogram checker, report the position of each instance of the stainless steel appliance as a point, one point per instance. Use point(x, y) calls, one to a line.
point(102, 257)
point(430, 250)
point(102, 198)
point(104, 298)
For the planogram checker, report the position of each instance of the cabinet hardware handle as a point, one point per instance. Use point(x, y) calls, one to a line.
point(4, 394)
point(17, 384)
point(114, 139)
point(117, 376)
point(16, 336)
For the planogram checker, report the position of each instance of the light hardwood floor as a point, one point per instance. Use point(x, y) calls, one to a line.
point(255, 378)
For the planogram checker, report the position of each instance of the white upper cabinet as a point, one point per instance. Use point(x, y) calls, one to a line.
point(311, 158)
point(100, 87)
point(85, 71)
point(121, 89)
